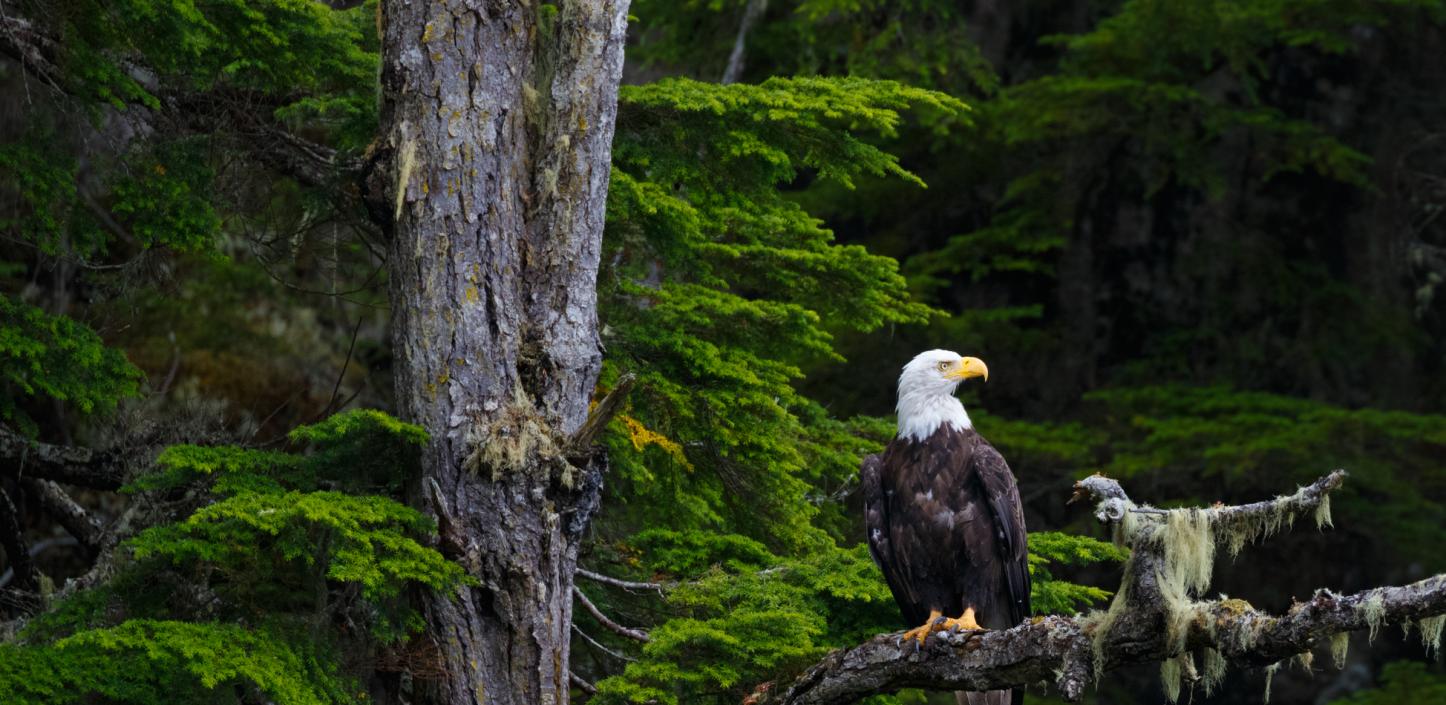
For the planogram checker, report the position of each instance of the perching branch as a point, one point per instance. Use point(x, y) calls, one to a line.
point(592, 609)
point(1154, 615)
point(73, 465)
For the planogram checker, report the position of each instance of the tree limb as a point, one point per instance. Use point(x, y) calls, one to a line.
point(600, 416)
point(618, 582)
point(16, 552)
point(1067, 650)
point(581, 683)
point(73, 465)
point(635, 634)
point(76, 520)
point(751, 13)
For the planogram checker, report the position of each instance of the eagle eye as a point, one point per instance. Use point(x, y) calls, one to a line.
point(943, 365)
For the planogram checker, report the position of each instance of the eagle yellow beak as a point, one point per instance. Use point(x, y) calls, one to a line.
point(970, 367)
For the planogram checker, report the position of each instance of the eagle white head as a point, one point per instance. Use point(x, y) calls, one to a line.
point(926, 392)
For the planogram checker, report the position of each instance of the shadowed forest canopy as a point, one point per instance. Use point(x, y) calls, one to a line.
point(1199, 245)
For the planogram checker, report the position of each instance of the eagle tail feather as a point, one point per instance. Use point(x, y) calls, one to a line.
point(989, 697)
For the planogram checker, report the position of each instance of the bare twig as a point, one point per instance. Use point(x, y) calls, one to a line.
point(601, 647)
point(617, 582)
point(635, 634)
point(581, 683)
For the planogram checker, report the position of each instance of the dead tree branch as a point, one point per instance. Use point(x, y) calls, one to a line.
point(77, 521)
point(600, 416)
point(751, 13)
point(592, 609)
point(73, 465)
point(581, 683)
point(618, 582)
point(1154, 615)
point(16, 552)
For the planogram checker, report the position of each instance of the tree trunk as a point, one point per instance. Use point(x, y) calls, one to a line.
point(497, 125)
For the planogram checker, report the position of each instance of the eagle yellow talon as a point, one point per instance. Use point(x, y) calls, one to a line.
point(930, 625)
point(964, 623)
point(937, 622)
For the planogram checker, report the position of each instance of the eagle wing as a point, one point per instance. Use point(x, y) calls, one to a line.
point(1003, 495)
point(876, 522)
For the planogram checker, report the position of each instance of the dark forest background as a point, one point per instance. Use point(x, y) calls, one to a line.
point(1201, 246)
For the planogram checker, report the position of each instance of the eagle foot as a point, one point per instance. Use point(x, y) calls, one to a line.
point(963, 623)
point(937, 622)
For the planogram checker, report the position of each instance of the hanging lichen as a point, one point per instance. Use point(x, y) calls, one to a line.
point(1214, 675)
point(1431, 633)
point(1189, 551)
point(1340, 646)
point(1269, 676)
point(1187, 543)
point(1185, 540)
point(1170, 670)
point(1101, 622)
point(1323, 513)
point(1251, 527)
point(1374, 610)
point(1304, 660)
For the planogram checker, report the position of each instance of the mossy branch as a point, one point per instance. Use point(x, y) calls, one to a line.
point(1154, 616)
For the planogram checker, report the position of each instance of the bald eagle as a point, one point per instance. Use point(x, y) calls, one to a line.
point(943, 513)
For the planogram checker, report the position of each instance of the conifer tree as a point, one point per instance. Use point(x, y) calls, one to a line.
point(610, 479)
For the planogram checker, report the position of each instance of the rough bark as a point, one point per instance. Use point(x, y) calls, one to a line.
point(1066, 651)
point(73, 465)
point(492, 176)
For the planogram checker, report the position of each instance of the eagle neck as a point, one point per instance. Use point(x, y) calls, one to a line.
point(922, 413)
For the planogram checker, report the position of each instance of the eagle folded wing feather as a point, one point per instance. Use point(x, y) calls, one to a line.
point(998, 482)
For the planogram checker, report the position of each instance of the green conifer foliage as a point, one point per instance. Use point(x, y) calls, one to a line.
point(1401, 683)
point(1051, 596)
point(254, 590)
point(54, 357)
point(720, 288)
point(152, 662)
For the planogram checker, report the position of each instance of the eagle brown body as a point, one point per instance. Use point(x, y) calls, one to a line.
point(946, 527)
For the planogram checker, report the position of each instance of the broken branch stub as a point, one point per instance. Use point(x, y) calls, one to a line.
point(1154, 617)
